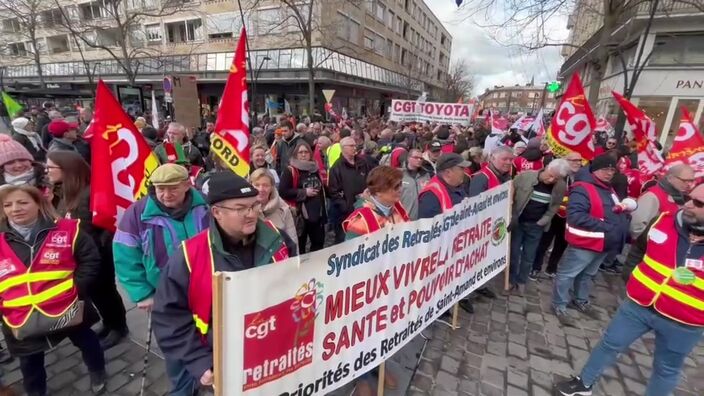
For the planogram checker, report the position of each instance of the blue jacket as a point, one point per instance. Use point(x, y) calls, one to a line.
point(614, 226)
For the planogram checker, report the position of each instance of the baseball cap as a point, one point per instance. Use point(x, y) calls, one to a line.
point(435, 146)
point(59, 127)
point(602, 162)
point(227, 185)
point(449, 160)
point(169, 175)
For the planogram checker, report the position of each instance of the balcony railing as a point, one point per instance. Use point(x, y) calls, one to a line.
point(280, 59)
point(671, 6)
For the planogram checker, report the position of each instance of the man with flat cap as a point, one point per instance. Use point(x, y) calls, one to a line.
point(236, 240)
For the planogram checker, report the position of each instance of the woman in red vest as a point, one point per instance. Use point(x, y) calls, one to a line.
point(64, 267)
point(70, 175)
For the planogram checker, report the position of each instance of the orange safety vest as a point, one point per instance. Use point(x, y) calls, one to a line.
point(437, 188)
point(46, 285)
point(371, 220)
point(590, 240)
point(200, 284)
point(653, 281)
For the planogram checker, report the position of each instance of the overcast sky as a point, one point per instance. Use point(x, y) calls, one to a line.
point(490, 62)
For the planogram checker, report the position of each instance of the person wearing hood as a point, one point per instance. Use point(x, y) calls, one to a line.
point(596, 225)
point(23, 132)
point(18, 167)
point(531, 159)
point(668, 195)
point(303, 189)
point(285, 146)
point(274, 208)
point(415, 177)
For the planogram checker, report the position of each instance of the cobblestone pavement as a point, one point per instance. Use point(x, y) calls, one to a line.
point(515, 347)
point(511, 346)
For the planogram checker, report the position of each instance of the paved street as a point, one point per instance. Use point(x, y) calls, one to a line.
point(510, 347)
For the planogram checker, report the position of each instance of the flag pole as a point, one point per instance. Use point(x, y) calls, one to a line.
point(249, 58)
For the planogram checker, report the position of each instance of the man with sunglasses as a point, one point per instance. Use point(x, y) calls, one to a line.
point(236, 240)
point(669, 195)
point(664, 296)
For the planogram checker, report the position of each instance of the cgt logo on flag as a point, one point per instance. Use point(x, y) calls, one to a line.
point(279, 339)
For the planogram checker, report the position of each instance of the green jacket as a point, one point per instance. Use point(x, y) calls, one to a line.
point(145, 239)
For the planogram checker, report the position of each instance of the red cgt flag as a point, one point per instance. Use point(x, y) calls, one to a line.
point(572, 126)
point(688, 146)
point(231, 138)
point(649, 159)
point(122, 161)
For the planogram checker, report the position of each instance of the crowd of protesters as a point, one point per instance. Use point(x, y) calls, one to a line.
point(312, 184)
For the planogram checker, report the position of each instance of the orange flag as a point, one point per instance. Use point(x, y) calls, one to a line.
point(231, 138)
point(572, 126)
point(688, 146)
point(122, 161)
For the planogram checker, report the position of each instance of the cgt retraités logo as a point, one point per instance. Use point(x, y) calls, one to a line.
point(279, 339)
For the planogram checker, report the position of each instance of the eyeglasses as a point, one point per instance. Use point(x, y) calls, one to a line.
point(245, 210)
point(687, 181)
point(52, 167)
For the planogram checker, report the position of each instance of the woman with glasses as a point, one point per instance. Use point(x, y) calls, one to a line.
point(273, 208)
point(379, 207)
point(302, 187)
point(70, 175)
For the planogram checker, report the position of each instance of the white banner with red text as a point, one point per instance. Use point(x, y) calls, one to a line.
point(313, 324)
point(444, 113)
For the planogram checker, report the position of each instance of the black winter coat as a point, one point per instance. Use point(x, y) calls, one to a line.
point(346, 181)
point(84, 276)
point(39, 154)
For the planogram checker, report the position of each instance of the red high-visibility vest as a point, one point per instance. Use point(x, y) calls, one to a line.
point(437, 188)
point(491, 177)
point(590, 240)
point(666, 205)
point(652, 282)
point(201, 264)
point(46, 284)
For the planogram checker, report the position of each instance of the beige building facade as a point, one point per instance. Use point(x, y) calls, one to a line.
point(526, 99)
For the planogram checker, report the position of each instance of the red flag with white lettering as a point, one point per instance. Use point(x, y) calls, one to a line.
point(688, 146)
point(649, 159)
point(231, 138)
point(572, 126)
point(122, 161)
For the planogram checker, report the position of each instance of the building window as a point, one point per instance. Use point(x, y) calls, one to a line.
point(391, 18)
point(184, 31)
point(399, 25)
point(51, 18)
point(223, 25)
point(380, 12)
point(17, 49)
point(370, 6)
point(502, 94)
point(141, 4)
point(369, 39)
point(349, 28)
point(153, 32)
point(11, 25)
point(678, 50)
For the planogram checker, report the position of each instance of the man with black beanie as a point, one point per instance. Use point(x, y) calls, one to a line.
point(236, 240)
point(597, 224)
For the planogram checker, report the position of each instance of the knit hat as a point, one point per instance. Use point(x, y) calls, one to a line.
point(58, 128)
point(227, 185)
point(20, 123)
point(602, 162)
point(11, 150)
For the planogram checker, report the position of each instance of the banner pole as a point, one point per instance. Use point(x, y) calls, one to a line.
point(455, 316)
point(380, 383)
point(507, 271)
point(218, 348)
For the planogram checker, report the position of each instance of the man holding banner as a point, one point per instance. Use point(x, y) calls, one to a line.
point(236, 240)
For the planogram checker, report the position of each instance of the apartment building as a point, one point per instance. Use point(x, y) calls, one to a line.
point(368, 51)
point(671, 64)
point(526, 99)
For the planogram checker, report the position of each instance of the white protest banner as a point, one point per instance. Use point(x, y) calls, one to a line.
point(311, 325)
point(446, 113)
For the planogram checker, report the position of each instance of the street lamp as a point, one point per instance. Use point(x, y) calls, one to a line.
point(254, 86)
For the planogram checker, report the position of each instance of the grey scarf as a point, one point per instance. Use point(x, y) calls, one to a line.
point(25, 178)
point(25, 231)
point(306, 166)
